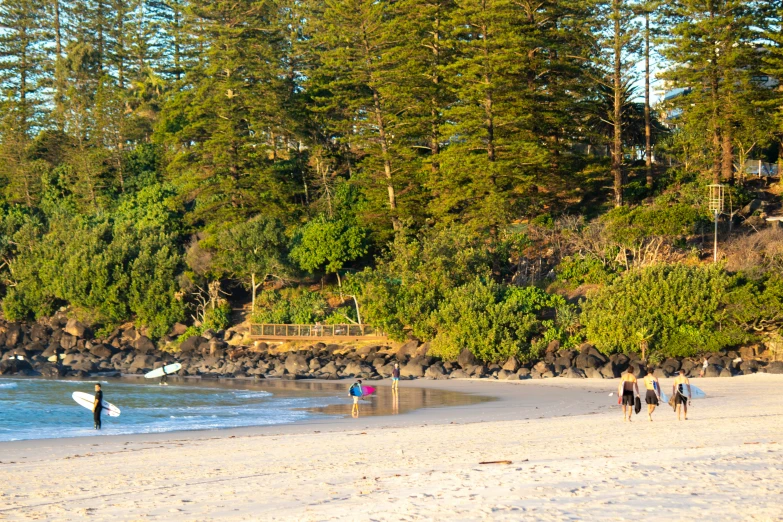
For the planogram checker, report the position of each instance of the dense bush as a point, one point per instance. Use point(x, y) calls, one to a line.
point(628, 226)
point(218, 318)
point(410, 281)
point(679, 310)
point(756, 305)
point(585, 269)
point(290, 306)
point(114, 272)
point(493, 321)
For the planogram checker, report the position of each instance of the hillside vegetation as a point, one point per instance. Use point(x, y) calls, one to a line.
point(478, 175)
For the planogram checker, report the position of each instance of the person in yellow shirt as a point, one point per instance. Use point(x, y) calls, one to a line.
point(681, 389)
point(626, 390)
point(651, 382)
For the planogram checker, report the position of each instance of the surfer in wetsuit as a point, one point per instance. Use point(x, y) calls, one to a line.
point(355, 391)
point(652, 385)
point(628, 386)
point(681, 389)
point(97, 407)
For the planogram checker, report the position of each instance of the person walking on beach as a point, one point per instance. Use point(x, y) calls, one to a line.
point(628, 385)
point(97, 407)
point(704, 365)
point(355, 391)
point(652, 385)
point(396, 378)
point(681, 389)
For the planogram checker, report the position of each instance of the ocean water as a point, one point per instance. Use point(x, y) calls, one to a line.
point(40, 408)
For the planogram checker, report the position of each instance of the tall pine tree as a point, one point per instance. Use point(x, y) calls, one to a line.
point(712, 48)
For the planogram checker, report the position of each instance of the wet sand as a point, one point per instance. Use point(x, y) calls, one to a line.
point(572, 457)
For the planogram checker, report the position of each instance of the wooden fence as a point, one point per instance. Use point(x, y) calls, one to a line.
point(330, 332)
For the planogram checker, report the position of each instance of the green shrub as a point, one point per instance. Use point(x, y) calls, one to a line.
point(410, 281)
point(343, 314)
point(114, 272)
point(292, 307)
point(578, 269)
point(190, 331)
point(218, 318)
point(478, 316)
point(628, 226)
point(493, 321)
point(677, 308)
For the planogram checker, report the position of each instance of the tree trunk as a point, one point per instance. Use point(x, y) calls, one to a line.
point(340, 285)
point(617, 145)
point(387, 166)
point(489, 121)
point(727, 155)
point(358, 315)
point(647, 124)
point(716, 128)
point(177, 52)
point(120, 56)
point(434, 109)
point(23, 66)
point(59, 81)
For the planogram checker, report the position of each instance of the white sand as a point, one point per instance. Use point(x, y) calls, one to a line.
point(724, 463)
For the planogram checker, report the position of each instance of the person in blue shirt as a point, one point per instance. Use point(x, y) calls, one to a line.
point(355, 391)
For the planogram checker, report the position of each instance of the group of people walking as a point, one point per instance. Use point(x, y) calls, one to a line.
point(629, 392)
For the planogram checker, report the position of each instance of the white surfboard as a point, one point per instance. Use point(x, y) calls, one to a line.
point(87, 401)
point(166, 370)
point(696, 393)
point(662, 397)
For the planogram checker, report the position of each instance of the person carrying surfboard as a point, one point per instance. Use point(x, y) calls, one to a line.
point(97, 407)
point(681, 390)
point(628, 385)
point(355, 391)
point(653, 389)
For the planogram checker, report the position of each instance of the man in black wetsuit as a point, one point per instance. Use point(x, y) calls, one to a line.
point(97, 406)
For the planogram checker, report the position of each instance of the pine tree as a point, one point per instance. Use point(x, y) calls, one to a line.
point(421, 51)
point(773, 67)
point(619, 39)
point(557, 50)
point(711, 45)
point(57, 25)
point(220, 129)
point(23, 58)
point(353, 88)
point(648, 11)
point(177, 33)
point(494, 152)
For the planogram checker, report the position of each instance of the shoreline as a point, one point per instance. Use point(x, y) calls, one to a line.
point(571, 455)
point(507, 402)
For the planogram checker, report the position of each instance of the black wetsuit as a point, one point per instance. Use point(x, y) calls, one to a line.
point(96, 415)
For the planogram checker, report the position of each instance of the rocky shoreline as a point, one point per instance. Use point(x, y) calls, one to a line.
point(61, 347)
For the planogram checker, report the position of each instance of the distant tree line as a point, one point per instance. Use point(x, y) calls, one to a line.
point(150, 147)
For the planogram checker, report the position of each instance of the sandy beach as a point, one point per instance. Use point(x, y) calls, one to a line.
point(572, 458)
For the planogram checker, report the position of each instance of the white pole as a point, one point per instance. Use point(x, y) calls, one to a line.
point(715, 247)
